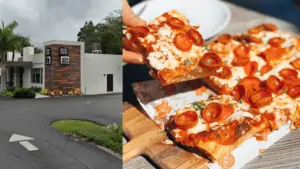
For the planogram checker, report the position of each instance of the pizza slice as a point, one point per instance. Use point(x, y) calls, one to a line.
point(173, 49)
point(255, 68)
point(216, 126)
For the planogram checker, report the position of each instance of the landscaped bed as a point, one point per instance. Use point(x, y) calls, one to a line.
point(109, 137)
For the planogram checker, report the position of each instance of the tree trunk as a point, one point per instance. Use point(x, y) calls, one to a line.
point(11, 71)
point(3, 72)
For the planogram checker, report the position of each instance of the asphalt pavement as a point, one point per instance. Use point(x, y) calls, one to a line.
point(33, 117)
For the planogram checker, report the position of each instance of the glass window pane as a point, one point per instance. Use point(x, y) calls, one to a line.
point(41, 75)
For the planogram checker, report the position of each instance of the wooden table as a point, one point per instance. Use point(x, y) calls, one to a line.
point(285, 154)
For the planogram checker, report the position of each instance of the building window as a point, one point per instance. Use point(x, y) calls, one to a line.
point(37, 75)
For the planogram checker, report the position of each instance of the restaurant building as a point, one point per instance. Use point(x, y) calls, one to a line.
point(64, 66)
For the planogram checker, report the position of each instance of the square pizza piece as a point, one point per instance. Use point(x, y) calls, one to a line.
point(216, 126)
point(261, 68)
point(172, 48)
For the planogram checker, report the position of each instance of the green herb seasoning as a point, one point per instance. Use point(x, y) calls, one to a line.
point(187, 62)
point(207, 47)
point(198, 106)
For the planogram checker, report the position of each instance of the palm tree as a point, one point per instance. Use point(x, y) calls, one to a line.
point(9, 41)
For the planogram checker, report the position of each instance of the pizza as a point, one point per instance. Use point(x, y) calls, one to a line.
point(172, 48)
point(261, 68)
point(215, 126)
point(259, 92)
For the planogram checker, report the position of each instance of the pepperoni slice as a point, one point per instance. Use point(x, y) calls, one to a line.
point(261, 98)
point(226, 111)
point(183, 42)
point(288, 74)
point(273, 53)
point(256, 30)
point(129, 45)
point(294, 91)
point(196, 37)
point(240, 61)
point(276, 41)
point(269, 27)
point(167, 16)
point(230, 133)
point(250, 68)
point(241, 55)
point(241, 51)
point(224, 39)
point(254, 39)
point(250, 82)
point(296, 64)
point(210, 61)
point(224, 90)
point(241, 38)
point(186, 120)
point(139, 31)
point(274, 83)
point(211, 112)
point(238, 92)
point(225, 73)
point(265, 69)
point(175, 23)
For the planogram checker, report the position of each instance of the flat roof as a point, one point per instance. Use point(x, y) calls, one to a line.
point(18, 63)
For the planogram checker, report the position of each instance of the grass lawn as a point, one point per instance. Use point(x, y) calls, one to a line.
point(106, 136)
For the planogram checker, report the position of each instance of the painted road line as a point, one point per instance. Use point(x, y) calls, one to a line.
point(17, 137)
point(28, 146)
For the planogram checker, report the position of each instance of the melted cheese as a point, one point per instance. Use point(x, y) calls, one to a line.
point(165, 54)
point(240, 112)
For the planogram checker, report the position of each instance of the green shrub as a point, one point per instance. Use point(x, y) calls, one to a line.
point(7, 93)
point(36, 89)
point(24, 93)
point(11, 89)
point(44, 92)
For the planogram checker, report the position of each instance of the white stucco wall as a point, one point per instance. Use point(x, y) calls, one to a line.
point(38, 61)
point(94, 68)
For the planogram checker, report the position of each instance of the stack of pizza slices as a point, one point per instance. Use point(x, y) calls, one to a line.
point(256, 74)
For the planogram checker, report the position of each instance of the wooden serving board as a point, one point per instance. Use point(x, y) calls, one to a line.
point(146, 138)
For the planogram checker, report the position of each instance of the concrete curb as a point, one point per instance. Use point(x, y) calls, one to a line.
point(2, 97)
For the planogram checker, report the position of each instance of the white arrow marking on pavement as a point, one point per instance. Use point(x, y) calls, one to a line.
point(17, 137)
point(28, 146)
point(23, 140)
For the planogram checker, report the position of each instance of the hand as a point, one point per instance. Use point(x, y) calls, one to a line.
point(131, 19)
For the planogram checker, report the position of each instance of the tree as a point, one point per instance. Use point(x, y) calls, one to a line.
point(38, 50)
point(9, 41)
point(107, 34)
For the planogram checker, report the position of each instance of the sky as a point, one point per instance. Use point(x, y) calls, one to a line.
point(45, 20)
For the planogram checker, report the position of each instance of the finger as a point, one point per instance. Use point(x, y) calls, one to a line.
point(131, 57)
point(130, 18)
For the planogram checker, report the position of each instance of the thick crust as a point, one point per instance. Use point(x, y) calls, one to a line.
point(167, 76)
point(213, 86)
point(217, 151)
point(296, 118)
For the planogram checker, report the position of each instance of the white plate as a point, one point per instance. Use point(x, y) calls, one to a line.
point(211, 15)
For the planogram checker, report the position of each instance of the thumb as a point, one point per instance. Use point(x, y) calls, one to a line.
point(132, 57)
point(130, 18)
